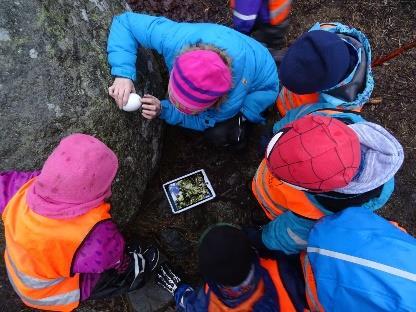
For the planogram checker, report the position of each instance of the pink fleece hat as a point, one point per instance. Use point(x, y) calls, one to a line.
point(197, 80)
point(75, 178)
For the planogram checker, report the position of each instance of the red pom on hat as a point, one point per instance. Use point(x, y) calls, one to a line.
point(315, 152)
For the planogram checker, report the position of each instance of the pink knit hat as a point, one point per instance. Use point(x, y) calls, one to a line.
point(75, 178)
point(197, 80)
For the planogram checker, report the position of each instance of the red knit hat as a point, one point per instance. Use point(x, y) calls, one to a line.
point(318, 153)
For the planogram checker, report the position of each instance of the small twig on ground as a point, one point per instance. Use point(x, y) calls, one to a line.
point(376, 100)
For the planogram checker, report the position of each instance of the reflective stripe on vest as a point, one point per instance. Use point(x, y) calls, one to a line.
point(276, 197)
point(271, 208)
point(70, 298)
point(310, 285)
point(288, 100)
point(279, 10)
point(29, 281)
point(40, 250)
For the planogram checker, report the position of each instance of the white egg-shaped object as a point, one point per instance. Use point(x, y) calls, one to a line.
point(134, 103)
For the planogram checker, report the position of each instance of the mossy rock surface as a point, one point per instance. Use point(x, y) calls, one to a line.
point(54, 81)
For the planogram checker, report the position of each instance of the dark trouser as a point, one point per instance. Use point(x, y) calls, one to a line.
point(114, 283)
point(229, 133)
point(111, 284)
point(272, 36)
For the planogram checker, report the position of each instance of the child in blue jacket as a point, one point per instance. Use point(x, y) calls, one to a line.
point(216, 73)
point(365, 262)
point(366, 176)
point(237, 277)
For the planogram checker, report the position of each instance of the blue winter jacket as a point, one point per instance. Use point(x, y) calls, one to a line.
point(255, 80)
point(289, 232)
point(364, 264)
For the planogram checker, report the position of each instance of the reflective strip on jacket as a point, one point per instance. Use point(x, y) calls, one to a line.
point(39, 253)
point(285, 303)
point(351, 93)
point(247, 13)
point(365, 264)
point(276, 197)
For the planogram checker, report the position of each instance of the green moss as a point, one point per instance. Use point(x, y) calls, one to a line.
point(53, 21)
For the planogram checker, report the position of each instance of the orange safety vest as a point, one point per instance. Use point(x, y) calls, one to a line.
point(310, 285)
point(288, 100)
point(39, 253)
point(285, 302)
point(279, 11)
point(276, 197)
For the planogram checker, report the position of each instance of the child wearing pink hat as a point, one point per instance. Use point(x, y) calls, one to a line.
point(61, 245)
point(219, 78)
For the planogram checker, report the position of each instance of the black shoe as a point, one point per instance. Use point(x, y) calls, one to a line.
point(151, 255)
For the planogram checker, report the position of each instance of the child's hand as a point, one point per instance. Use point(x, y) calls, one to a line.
point(120, 90)
point(150, 107)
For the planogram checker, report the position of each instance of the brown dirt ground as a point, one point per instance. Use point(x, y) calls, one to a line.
point(388, 24)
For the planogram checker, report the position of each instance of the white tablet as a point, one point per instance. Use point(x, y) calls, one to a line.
point(188, 191)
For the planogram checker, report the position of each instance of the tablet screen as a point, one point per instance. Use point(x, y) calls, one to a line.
point(188, 191)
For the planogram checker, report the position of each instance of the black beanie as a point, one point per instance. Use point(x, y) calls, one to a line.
point(225, 255)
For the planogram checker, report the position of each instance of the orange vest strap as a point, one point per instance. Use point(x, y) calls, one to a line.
point(276, 197)
point(272, 267)
point(285, 301)
point(310, 285)
point(288, 100)
point(279, 10)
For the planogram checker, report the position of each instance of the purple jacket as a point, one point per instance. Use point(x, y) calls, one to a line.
point(247, 12)
point(102, 250)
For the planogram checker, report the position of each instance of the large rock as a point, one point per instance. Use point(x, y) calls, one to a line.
point(54, 80)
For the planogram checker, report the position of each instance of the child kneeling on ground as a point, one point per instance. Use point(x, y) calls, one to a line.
point(61, 245)
point(337, 272)
point(319, 164)
point(237, 277)
point(219, 78)
point(329, 64)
